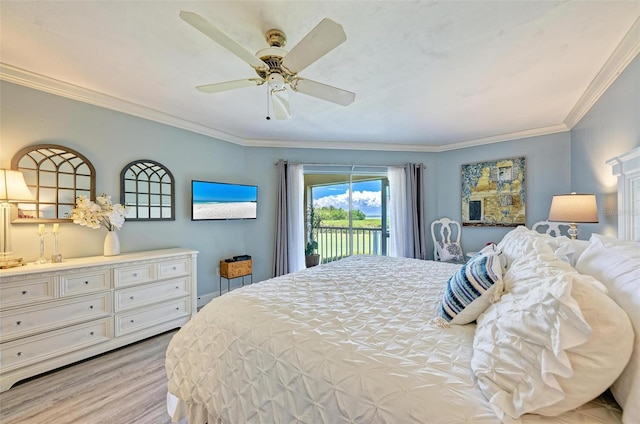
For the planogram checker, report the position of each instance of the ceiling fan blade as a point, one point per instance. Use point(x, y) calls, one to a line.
point(229, 85)
point(326, 36)
point(323, 91)
point(280, 102)
point(202, 25)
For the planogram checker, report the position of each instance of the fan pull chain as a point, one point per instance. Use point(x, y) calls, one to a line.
point(268, 117)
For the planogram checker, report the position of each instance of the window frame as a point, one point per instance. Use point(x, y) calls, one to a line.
point(156, 168)
point(66, 155)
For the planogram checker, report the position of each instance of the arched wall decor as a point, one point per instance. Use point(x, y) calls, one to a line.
point(56, 175)
point(147, 188)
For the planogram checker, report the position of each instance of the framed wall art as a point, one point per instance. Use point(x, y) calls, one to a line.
point(493, 193)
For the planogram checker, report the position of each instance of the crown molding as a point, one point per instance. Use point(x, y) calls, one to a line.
point(619, 60)
point(64, 89)
point(517, 135)
point(341, 145)
point(622, 56)
point(392, 147)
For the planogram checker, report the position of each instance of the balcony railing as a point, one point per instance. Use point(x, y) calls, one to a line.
point(333, 242)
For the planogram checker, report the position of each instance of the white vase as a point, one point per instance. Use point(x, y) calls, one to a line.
point(111, 244)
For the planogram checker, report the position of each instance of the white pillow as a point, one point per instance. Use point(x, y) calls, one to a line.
point(578, 247)
point(450, 252)
point(535, 352)
point(516, 243)
point(617, 265)
point(472, 288)
point(521, 241)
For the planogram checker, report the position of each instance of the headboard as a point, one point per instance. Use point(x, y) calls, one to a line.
point(627, 168)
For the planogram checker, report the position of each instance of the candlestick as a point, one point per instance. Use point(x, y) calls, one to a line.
point(55, 257)
point(41, 229)
point(41, 259)
point(56, 228)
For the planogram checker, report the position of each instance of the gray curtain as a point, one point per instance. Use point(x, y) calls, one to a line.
point(281, 248)
point(415, 207)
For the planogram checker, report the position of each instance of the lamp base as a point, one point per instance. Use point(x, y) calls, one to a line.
point(573, 231)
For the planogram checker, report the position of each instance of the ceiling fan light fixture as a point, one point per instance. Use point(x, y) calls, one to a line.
point(277, 67)
point(276, 81)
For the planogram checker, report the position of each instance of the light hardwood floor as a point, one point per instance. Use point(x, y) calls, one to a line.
point(125, 386)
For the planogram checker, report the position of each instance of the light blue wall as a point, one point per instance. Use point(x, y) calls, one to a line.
point(260, 162)
point(555, 164)
point(548, 172)
point(610, 128)
point(110, 140)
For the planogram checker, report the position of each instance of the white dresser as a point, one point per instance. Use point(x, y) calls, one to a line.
point(55, 314)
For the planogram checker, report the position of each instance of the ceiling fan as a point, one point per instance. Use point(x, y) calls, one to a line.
point(277, 67)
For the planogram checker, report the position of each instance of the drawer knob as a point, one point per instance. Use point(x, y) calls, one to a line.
point(18, 322)
point(23, 292)
point(130, 297)
point(91, 333)
point(135, 274)
point(177, 309)
point(131, 321)
point(86, 283)
point(18, 354)
point(177, 287)
point(90, 306)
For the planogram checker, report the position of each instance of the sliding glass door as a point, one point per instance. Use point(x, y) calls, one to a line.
point(353, 210)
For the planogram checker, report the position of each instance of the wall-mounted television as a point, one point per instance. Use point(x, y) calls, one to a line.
point(215, 201)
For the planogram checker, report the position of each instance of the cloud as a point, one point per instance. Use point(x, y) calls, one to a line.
point(362, 200)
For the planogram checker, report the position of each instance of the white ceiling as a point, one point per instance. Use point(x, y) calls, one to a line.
point(428, 75)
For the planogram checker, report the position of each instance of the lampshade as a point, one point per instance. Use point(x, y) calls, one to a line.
point(574, 208)
point(13, 188)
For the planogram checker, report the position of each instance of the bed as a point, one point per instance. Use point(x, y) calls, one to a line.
point(370, 340)
point(535, 329)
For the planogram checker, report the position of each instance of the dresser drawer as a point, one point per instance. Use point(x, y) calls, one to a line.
point(34, 349)
point(51, 316)
point(151, 293)
point(83, 283)
point(132, 275)
point(173, 268)
point(26, 292)
point(129, 322)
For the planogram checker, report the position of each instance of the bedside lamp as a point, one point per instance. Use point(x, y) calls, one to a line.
point(574, 208)
point(12, 189)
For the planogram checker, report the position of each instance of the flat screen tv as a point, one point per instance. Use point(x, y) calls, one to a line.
point(218, 201)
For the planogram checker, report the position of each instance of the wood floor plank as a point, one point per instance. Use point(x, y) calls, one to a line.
point(125, 386)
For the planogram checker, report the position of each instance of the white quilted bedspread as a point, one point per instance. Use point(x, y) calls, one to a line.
point(346, 342)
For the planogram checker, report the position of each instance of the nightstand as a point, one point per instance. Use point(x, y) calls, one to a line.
point(236, 269)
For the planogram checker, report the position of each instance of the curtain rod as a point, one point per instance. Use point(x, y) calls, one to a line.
point(345, 164)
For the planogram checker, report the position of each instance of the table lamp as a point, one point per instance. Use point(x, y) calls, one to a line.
point(12, 189)
point(573, 209)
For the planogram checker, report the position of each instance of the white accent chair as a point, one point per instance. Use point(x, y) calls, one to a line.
point(447, 231)
point(552, 228)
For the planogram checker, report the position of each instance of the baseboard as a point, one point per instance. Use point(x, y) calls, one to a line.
point(206, 298)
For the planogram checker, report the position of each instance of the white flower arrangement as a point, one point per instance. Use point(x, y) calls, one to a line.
point(102, 213)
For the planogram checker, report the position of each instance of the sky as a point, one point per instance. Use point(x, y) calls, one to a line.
point(204, 191)
point(366, 197)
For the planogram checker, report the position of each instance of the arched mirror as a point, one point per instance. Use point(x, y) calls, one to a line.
point(56, 175)
point(147, 188)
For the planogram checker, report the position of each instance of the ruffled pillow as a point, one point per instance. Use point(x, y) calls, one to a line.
point(471, 289)
point(617, 264)
point(520, 241)
point(517, 243)
point(553, 342)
